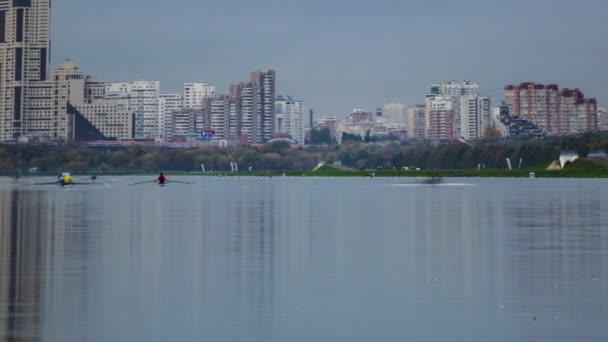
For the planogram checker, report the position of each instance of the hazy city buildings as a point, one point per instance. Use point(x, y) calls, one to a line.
point(394, 113)
point(416, 122)
point(290, 117)
point(195, 92)
point(556, 111)
point(360, 115)
point(247, 113)
point(602, 119)
point(470, 114)
point(327, 122)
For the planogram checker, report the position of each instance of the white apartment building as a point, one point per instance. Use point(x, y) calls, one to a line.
point(144, 103)
point(195, 92)
point(111, 118)
point(475, 116)
point(394, 113)
point(290, 117)
point(167, 105)
point(453, 88)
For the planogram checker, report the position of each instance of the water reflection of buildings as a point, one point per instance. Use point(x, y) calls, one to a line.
point(22, 254)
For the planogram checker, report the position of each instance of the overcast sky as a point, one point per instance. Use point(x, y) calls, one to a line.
point(339, 54)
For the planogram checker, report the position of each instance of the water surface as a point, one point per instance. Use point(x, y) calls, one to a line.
point(288, 259)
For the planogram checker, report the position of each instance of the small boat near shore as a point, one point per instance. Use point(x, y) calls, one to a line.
point(435, 180)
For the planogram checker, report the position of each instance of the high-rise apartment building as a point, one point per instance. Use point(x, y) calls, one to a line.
point(195, 92)
point(290, 117)
point(219, 115)
point(144, 103)
point(24, 64)
point(264, 92)
point(556, 111)
point(440, 118)
point(167, 105)
point(475, 116)
point(183, 122)
point(416, 122)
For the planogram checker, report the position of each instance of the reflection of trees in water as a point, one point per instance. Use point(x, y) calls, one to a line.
point(21, 261)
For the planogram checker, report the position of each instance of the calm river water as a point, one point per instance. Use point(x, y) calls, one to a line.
point(305, 260)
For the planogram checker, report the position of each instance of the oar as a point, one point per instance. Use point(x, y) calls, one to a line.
point(154, 181)
point(50, 183)
point(178, 182)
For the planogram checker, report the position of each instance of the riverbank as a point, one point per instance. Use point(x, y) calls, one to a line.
point(328, 171)
point(333, 172)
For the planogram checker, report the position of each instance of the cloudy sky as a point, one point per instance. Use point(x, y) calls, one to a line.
point(339, 54)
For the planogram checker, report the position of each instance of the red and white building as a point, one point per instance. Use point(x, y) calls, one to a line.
point(559, 112)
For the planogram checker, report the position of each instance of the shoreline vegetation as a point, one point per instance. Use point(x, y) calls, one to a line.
point(577, 170)
point(486, 158)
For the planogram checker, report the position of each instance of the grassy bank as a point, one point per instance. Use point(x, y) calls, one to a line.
point(327, 171)
point(579, 169)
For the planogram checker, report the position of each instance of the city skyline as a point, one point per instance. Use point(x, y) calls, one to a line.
point(335, 58)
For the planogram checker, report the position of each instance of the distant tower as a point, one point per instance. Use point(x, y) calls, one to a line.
point(311, 119)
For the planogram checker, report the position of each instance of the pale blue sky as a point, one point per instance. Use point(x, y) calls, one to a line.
point(338, 54)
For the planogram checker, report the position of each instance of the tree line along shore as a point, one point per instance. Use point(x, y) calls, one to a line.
point(485, 158)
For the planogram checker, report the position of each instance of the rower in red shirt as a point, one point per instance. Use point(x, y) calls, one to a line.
point(162, 179)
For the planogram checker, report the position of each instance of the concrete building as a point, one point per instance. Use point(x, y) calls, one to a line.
point(290, 117)
point(195, 92)
point(439, 118)
point(475, 116)
point(395, 113)
point(359, 115)
point(453, 88)
point(518, 127)
point(112, 119)
point(24, 67)
point(602, 119)
point(329, 122)
point(183, 122)
point(242, 93)
point(253, 108)
point(168, 104)
point(556, 111)
point(219, 116)
point(144, 103)
point(416, 122)
point(264, 87)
